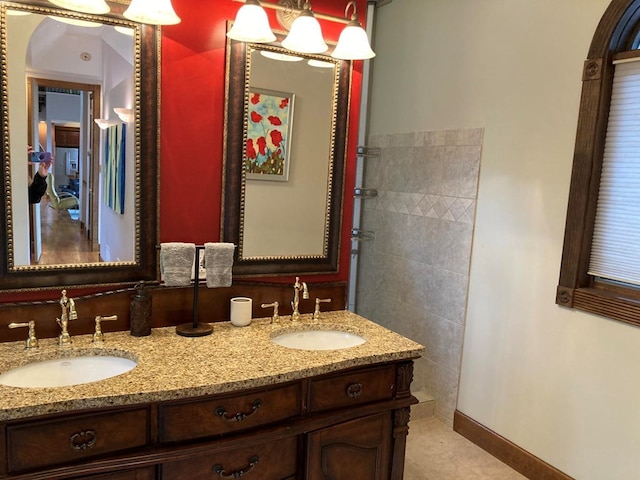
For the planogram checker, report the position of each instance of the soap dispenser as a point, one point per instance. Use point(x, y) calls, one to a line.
point(140, 315)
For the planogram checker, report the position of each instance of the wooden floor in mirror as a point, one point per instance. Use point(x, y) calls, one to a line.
point(64, 238)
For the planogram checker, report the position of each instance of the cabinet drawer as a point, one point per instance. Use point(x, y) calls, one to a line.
point(221, 415)
point(139, 474)
point(269, 461)
point(353, 388)
point(48, 442)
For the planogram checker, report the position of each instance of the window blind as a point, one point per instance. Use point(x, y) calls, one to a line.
point(615, 250)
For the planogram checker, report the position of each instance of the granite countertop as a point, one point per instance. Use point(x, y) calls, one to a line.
point(172, 367)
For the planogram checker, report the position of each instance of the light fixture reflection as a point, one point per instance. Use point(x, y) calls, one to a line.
point(251, 24)
point(282, 57)
point(320, 64)
point(305, 35)
point(75, 21)
point(124, 114)
point(154, 12)
point(104, 123)
point(85, 6)
point(124, 30)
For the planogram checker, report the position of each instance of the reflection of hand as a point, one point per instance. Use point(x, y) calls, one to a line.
point(43, 168)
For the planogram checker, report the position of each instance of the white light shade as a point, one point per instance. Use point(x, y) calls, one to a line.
point(86, 6)
point(305, 35)
point(103, 123)
point(353, 44)
point(251, 24)
point(154, 12)
point(124, 114)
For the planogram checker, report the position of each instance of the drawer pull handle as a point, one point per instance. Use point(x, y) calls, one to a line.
point(354, 390)
point(238, 417)
point(219, 469)
point(83, 440)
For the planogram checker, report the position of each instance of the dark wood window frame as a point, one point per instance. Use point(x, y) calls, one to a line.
point(616, 37)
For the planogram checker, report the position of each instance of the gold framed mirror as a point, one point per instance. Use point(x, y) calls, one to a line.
point(62, 70)
point(282, 202)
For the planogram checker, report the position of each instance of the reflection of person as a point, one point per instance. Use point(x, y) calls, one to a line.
point(38, 183)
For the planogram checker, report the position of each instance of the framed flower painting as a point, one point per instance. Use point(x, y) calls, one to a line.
point(269, 126)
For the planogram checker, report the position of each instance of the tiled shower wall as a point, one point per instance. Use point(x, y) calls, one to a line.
point(413, 276)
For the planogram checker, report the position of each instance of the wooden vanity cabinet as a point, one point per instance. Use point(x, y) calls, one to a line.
point(347, 425)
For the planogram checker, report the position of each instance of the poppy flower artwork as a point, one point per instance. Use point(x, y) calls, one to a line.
point(269, 124)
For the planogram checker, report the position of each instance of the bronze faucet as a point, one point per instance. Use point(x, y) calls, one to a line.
point(295, 316)
point(68, 307)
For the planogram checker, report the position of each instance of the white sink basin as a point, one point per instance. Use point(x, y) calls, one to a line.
point(62, 372)
point(318, 340)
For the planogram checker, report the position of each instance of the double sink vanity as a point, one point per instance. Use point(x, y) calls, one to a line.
point(270, 401)
point(233, 404)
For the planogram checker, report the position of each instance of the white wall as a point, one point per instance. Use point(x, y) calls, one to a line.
point(117, 231)
point(558, 383)
point(18, 35)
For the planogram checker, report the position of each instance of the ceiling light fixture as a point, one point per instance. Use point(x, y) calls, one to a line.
point(84, 6)
point(251, 24)
point(154, 12)
point(353, 43)
point(305, 34)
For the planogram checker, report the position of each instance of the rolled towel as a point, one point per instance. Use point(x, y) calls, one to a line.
point(218, 261)
point(176, 263)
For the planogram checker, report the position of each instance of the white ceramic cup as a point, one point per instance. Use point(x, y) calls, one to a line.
point(241, 311)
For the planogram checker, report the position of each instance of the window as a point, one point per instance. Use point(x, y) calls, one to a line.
point(599, 273)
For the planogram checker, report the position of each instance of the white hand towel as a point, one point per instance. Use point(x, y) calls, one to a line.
point(176, 263)
point(218, 261)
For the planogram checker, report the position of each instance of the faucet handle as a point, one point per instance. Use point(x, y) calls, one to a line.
point(32, 341)
point(316, 312)
point(73, 315)
point(98, 336)
point(275, 318)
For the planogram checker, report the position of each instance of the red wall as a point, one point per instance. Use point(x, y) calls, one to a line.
point(193, 76)
point(191, 127)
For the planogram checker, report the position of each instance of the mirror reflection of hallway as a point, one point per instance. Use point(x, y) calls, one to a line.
point(70, 75)
point(62, 225)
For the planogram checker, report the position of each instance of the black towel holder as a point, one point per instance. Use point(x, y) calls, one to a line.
point(195, 329)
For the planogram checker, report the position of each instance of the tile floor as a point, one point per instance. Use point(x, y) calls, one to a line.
point(436, 452)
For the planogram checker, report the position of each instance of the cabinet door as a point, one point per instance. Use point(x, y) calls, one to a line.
point(355, 450)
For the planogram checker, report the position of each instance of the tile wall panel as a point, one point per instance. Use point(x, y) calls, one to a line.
point(413, 276)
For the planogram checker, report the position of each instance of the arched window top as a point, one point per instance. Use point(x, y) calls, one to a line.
point(618, 29)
